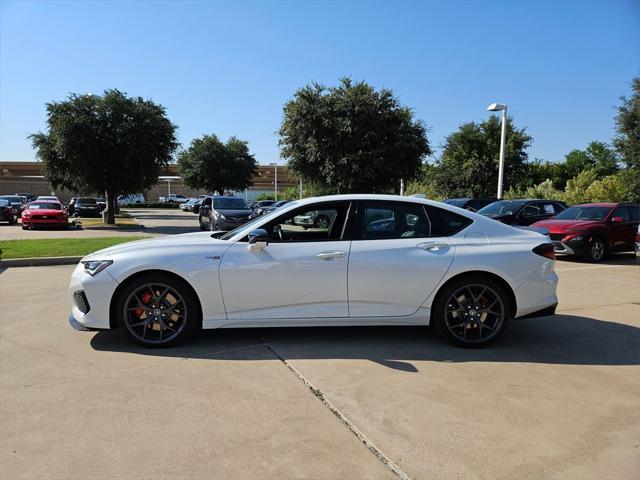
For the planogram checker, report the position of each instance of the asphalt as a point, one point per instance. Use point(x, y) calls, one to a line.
point(155, 222)
point(556, 397)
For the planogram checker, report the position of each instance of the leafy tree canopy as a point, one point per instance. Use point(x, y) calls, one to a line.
point(627, 141)
point(215, 166)
point(469, 162)
point(351, 138)
point(112, 144)
point(597, 156)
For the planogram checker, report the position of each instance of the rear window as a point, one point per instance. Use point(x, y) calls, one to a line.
point(445, 223)
point(86, 201)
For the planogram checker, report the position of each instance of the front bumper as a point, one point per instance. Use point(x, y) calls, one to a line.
point(228, 225)
point(98, 291)
point(570, 247)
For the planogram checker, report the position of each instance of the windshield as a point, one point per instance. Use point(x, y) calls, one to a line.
point(247, 227)
point(583, 213)
point(86, 201)
point(3, 202)
point(45, 206)
point(457, 202)
point(229, 203)
point(12, 198)
point(502, 207)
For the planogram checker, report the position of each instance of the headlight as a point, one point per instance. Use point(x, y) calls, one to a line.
point(93, 267)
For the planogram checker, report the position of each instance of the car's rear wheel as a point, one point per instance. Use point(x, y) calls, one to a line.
point(158, 310)
point(595, 250)
point(471, 311)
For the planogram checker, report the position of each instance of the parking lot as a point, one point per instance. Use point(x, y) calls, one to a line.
point(152, 222)
point(556, 397)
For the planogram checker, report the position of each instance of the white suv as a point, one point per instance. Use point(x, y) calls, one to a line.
point(129, 199)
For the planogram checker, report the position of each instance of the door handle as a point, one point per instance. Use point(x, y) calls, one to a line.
point(329, 255)
point(432, 246)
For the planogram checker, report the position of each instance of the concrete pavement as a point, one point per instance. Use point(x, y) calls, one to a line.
point(556, 397)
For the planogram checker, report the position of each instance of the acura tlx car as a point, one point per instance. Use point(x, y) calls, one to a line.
point(380, 260)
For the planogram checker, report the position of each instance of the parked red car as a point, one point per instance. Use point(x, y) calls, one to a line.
point(592, 230)
point(45, 213)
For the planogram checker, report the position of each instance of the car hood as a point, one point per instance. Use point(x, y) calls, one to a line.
point(182, 240)
point(46, 211)
point(235, 213)
point(558, 226)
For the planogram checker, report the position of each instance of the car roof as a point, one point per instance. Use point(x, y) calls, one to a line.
point(598, 204)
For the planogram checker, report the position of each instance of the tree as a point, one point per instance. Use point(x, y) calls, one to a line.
point(607, 189)
point(597, 156)
point(215, 166)
point(111, 144)
point(576, 191)
point(627, 142)
point(351, 138)
point(469, 162)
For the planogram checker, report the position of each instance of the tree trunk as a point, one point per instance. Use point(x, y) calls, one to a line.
point(110, 217)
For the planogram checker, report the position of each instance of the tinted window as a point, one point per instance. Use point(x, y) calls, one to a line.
point(634, 212)
point(385, 220)
point(622, 212)
point(86, 201)
point(229, 203)
point(502, 207)
point(445, 223)
point(12, 198)
point(45, 206)
point(583, 213)
point(319, 222)
point(547, 208)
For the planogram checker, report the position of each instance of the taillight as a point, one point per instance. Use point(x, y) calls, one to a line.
point(545, 250)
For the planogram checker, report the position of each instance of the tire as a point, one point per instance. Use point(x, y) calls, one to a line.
point(321, 221)
point(595, 250)
point(142, 305)
point(457, 318)
point(12, 220)
point(25, 227)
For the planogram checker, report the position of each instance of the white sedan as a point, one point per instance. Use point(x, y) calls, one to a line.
point(381, 260)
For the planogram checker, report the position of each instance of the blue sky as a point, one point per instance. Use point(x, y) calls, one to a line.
point(228, 67)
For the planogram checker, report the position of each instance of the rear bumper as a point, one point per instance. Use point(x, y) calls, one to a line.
point(550, 310)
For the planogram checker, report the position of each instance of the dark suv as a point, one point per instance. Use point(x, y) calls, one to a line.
point(591, 230)
point(522, 212)
point(223, 213)
point(471, 204)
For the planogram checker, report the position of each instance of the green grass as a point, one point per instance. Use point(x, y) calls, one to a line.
point(58, 247)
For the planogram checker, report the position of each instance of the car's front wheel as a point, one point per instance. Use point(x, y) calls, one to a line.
point(158, 310)
point(472, 311)
point(595, 250)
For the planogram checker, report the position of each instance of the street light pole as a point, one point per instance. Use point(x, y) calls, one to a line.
point(496, 107)
point(275, 180)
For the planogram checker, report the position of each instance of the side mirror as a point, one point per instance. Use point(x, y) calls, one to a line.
point(258, 239)
point(617, 220)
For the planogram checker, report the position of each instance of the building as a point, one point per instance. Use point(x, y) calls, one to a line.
point(18, 177)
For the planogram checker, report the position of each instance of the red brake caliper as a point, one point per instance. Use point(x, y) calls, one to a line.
point(146, 299)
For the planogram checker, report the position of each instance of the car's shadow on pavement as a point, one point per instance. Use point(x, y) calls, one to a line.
point(559, 339)
point(612, 259)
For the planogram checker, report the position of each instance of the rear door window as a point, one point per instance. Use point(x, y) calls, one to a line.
point(388, 220)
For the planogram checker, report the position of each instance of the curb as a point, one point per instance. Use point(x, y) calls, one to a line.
point(39, 262)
